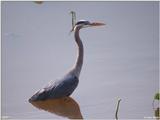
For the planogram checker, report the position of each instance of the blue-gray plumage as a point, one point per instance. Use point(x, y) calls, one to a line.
point(66, 85)
point(57, 89)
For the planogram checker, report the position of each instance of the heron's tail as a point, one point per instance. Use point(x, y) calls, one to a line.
point(40, 95)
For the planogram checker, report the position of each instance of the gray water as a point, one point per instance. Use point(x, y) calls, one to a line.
point(121, 58)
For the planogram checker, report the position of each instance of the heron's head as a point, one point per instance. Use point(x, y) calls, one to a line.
point(84, 23)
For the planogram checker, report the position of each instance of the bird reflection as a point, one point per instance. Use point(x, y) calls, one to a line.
point(65, 107)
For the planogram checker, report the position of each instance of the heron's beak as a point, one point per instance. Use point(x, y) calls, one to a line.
point(96, 24)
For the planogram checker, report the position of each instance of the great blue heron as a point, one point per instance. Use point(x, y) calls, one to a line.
point(67, 84)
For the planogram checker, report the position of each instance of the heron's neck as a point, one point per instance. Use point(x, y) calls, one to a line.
point(79, 60)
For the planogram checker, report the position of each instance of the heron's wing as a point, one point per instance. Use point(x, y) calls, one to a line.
point(64, 87)
point(56, 89)
point(43, 93)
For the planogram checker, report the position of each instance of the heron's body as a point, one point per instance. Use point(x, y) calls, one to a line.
point(57, 89)
point(67, 84)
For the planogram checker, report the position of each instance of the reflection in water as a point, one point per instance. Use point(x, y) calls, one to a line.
point(66, 107)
